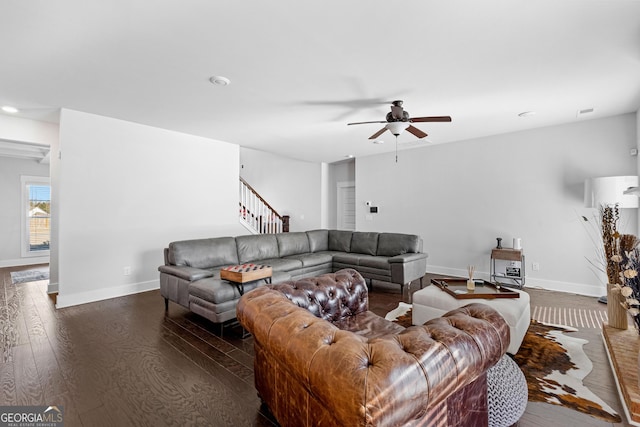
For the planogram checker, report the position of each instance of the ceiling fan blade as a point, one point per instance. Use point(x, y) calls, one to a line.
point(364, 123)
point(415, 131)
point(377, 134)
point(431, 119)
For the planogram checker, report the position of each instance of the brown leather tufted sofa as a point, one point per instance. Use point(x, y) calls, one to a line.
point(323, 359)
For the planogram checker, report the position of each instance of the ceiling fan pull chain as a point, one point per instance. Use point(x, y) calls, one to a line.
point(396, 148)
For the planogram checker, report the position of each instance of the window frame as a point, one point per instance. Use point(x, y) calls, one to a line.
point(26, 181)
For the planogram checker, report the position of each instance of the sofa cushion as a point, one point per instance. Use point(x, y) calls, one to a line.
point(346, 258)
point(310, 260)
point(282, 264)
point(292, 243)
point(257, 247)
point(368, 325)
point(340, 240)
point(318, 240)
point(364, 243)
point(204, 253)
point(392, 244)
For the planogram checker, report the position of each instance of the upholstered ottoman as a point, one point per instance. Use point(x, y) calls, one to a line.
point(432, 302)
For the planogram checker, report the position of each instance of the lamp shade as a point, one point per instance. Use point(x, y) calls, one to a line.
point(609, 190)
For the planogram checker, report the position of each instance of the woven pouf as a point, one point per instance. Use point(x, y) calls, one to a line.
point(507, 393)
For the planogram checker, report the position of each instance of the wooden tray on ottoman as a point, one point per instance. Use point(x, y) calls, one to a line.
point(245, 273)
point(457, 288)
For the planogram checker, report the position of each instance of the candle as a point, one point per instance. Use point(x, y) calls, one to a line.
point(517, 243)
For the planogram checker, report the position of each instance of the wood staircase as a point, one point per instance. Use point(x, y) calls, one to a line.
point(256, 215)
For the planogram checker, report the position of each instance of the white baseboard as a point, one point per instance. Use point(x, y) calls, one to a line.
point(65, 300)
point(24, 261)
point(530, 282)
point(52, 288)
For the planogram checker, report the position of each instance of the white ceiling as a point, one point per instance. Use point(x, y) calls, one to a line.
point(300, 71)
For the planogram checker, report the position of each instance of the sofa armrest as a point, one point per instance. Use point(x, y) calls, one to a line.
point(187, 273)
point(410, 372)
point(408, 267)
point(407, 258)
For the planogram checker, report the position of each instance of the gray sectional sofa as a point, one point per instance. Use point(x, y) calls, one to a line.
point(191, 274)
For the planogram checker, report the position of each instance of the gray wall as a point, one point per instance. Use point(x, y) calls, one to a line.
point(124, 191)
point(459, 197)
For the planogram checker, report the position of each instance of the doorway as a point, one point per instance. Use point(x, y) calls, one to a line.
point(346, 194)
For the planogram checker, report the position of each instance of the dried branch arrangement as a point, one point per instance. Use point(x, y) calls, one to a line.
point(610, 215)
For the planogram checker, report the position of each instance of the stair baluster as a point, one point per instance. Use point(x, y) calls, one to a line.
point(257, 215)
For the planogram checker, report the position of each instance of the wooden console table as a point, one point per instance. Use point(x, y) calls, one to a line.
point(515, 273)
point(622, 347)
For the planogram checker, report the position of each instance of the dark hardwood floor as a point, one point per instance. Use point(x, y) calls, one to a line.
point(124, 362)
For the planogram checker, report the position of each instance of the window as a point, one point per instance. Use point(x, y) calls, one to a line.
point(36, 223)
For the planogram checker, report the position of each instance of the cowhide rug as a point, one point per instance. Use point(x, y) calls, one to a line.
point(554, 365)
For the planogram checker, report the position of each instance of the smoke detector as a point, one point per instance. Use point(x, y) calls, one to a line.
point(220, 81)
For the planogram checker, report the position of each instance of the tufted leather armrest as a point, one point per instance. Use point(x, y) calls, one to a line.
point(389, 380)
point(331, 297)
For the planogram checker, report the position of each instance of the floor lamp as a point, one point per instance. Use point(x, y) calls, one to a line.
point(611, 191)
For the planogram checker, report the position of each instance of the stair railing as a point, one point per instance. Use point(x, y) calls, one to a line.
point(257, 215)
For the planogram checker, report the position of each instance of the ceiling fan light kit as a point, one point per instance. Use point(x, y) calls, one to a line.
point(396, 128)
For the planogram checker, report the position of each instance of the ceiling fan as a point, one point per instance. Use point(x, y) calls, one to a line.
point(398, 120)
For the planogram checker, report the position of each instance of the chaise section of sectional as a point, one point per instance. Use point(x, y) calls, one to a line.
point(191, 277)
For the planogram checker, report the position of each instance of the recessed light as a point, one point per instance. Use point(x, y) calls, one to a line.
point(219, 80)
point(527, 114)
point(349, 156)
point(378, 141)
point(9, 109)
